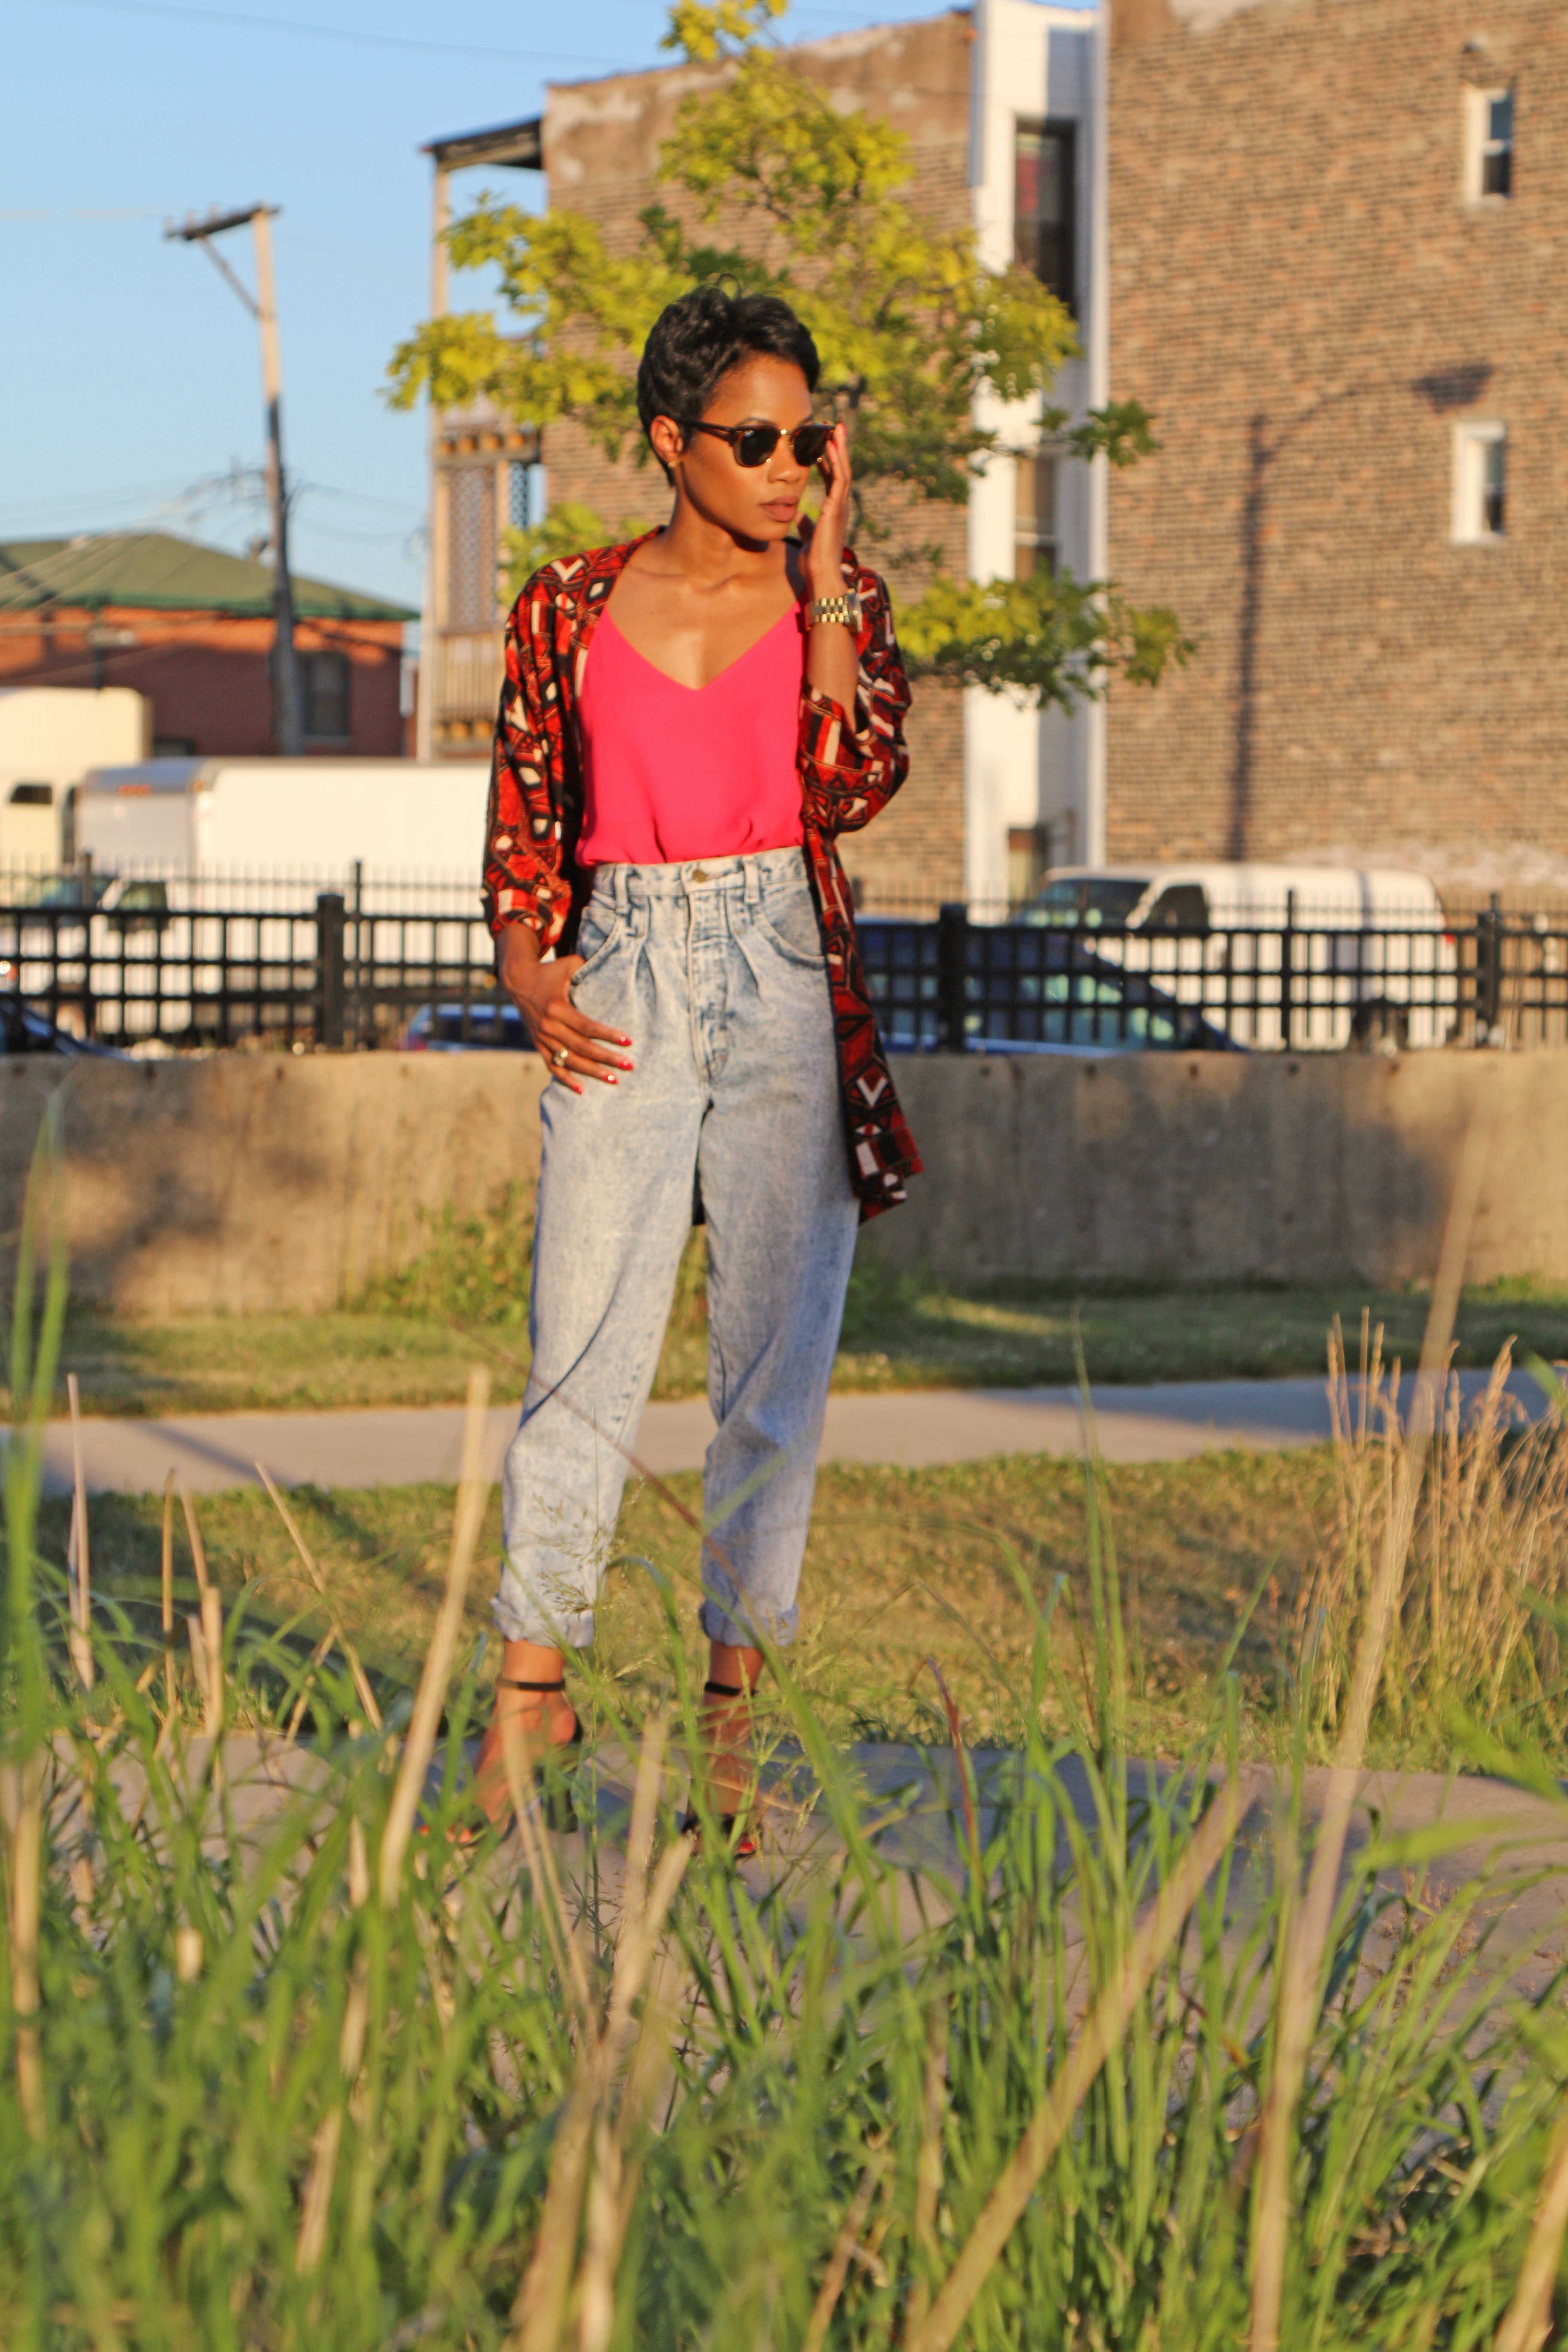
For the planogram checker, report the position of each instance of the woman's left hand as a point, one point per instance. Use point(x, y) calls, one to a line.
point(825, 555)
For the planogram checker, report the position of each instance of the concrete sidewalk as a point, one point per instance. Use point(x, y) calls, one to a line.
point(1508, 1843)
point(910, 1428)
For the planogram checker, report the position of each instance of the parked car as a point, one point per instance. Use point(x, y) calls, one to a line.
point(1372, 959)
point(129, 904)
point(494, 1024)
point(24, 1030)
point(1027, 990)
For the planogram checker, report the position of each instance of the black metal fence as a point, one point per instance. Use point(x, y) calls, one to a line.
point(223, 976)
point(958, 985)
point(141, 973)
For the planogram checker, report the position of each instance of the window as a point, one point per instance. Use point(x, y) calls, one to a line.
point(1045, 158)
point(324, 690)
point(1028, 861)
point(1034, 514)
point(32, 796)
point(524, 494)
point(1088, 902)
point(1480, 483)
point(1182, 906)
point(1489, 146)
point(472, 592)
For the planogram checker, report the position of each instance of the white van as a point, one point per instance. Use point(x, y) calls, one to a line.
point(1372, 961)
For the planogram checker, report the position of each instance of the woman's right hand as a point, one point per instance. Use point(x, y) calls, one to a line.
point(567, 1041)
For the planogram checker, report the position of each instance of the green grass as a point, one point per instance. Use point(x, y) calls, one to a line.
point(312, 2085)
point(901, 1566)
point(414, 1341)
point(226, 2041)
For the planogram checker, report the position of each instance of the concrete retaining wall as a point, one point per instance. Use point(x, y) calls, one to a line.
point(241, 1183)
point(1229, 1167)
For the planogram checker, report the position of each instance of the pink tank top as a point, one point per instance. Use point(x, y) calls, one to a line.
point(672, 772)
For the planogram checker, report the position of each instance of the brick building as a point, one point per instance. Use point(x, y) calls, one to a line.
point(990, 99)
point(1338, 230)
point(190, 628)
point(1320, 239)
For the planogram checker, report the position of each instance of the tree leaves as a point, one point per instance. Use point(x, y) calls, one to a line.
point(1047, 639)
point(919, 338)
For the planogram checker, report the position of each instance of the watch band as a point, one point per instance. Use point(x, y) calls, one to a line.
point(844, 608)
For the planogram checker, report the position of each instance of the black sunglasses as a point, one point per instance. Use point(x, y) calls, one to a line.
point(753, 445)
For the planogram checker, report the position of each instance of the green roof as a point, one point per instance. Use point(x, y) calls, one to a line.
point(153, 572)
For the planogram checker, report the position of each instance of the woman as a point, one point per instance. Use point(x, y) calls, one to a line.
point(687, 723)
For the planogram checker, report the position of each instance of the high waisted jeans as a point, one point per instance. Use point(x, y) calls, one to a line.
point(715, 973)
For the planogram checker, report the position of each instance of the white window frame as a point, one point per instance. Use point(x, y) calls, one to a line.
point(1473, 437)
point(1479, 143)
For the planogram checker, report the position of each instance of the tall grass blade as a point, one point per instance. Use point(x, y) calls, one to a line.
point(167, 1592)
point(419, 1744)
point(1305, 1942)
point(1527, 2319)
point(1100, 2034)
point(79, 1564)
point(351, 1656)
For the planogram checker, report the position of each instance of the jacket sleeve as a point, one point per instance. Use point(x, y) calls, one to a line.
point(851, 768)
point(523, 880)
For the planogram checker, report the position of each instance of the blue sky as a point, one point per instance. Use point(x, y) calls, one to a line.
point(131, 383)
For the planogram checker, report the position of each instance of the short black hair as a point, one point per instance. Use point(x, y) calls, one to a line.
point(698, 340)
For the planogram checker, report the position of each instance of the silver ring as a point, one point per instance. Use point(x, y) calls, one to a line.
point(558, 1059)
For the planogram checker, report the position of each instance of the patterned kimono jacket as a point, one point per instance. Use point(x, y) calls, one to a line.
point(849, 769)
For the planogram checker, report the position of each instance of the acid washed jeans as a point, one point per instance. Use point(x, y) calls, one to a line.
point(715, 972)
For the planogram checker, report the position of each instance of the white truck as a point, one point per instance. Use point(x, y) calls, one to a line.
point(49, 736)
point(248, 833)
point(1371, 959)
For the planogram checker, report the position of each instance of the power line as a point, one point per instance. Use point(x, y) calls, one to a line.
point(243, 20)
point(288, 722)
point(150, 502)
point(78, 212)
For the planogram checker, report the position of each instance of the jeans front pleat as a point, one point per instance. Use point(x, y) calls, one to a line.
point(715, 972)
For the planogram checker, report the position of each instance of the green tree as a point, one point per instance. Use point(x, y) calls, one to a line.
point(911, 325)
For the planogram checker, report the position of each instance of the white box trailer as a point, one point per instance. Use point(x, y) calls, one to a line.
point(49, 736)
point(273, 833)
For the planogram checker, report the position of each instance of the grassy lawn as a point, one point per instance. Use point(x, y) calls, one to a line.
point(413, 1345)
point(902, 1566)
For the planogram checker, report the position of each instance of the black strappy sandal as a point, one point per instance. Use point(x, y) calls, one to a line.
point(556, 1808)
point(555, 1805)
point(743, 1845)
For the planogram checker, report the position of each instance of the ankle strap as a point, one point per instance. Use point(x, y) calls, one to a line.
point(726, 1690)
point(505, 1682)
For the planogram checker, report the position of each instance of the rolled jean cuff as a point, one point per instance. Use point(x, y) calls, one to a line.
point(573, 1631)
point(740, 1633)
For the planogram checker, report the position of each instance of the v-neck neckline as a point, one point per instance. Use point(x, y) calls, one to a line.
point(790, 613)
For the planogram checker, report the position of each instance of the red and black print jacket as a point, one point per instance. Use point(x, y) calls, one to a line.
point(849, 769)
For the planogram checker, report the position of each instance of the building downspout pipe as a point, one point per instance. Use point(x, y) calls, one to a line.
point(1096, 778)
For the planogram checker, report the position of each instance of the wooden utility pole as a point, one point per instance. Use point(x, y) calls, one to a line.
point(288, 728)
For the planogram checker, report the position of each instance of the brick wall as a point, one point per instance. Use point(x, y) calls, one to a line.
point(600, 146)
point(1303, 298)
point(209, 679)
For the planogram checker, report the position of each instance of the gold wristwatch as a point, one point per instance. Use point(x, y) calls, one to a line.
point(843, 607)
